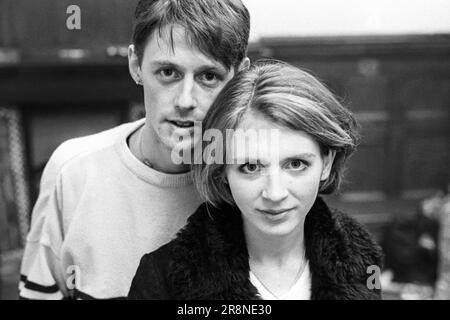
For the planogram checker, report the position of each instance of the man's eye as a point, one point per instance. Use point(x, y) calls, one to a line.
point(209, 78)
point(168, 74)
point(250, 168)
point(296, 164)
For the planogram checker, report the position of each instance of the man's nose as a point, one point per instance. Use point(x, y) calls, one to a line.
point(185, 99)
point(274, 189)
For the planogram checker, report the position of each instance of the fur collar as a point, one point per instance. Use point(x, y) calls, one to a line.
point(209, 258)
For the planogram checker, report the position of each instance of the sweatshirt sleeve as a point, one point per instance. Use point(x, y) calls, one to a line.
point(41, 271)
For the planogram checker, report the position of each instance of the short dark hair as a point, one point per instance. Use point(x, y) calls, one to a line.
point(289, 97)
point(218, 28)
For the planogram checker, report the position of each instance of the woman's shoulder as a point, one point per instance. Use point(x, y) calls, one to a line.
point(355, 234)
point(150, 280)
point(158, 257)
point(341, 253)
point(362, 253)
point(162, 256)
point(341, 227)
point(342, 237)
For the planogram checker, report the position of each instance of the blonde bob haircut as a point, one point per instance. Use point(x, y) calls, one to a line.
point(291, 98)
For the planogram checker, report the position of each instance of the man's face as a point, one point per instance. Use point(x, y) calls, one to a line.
point(180, 84)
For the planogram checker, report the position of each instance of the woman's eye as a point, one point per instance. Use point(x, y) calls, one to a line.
point(250, 168)
point(296, 164)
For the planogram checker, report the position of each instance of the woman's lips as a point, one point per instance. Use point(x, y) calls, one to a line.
point(274, 212)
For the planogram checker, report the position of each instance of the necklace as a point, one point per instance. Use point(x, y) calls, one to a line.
point(144, 159)
point(299, 274)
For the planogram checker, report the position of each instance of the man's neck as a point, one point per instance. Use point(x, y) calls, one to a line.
point(149, 150)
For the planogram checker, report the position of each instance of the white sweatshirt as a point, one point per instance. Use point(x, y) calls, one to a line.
point(99, 210)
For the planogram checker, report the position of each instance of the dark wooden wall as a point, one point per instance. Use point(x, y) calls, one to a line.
point(399, 89)
point(69, 83)
point(38, 31)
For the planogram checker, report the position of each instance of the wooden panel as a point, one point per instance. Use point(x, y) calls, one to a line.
point(68, 84)
point(373, 127)
point(334, 48)
point(41, 30)
point(11, 161)
point(37, 23)
point(6, 31)
point(426, 91)
point(365, 170)
point(367, 89)
point(425, 98)
point(359, 83)
point(49, 125)
point(362, 86)
point(333, 73)
point(47, 130)
point(5, 185)
point(399, 90)
point(427, 163)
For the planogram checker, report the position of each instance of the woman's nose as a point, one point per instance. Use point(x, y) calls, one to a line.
point(275, 189)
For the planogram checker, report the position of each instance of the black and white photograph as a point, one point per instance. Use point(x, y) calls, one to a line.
point(200, 150)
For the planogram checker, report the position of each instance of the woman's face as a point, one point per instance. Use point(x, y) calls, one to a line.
point(275, 184)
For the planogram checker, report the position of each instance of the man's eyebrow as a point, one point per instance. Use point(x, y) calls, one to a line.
point(217, 68)
point(164, 63)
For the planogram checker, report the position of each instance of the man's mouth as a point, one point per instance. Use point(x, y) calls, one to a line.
point(182, 124)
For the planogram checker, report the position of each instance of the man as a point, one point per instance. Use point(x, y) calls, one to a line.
point(107, 199)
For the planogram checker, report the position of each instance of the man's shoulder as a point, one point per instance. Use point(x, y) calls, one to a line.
point(77, 149)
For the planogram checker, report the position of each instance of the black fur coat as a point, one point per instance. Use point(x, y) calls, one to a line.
point(209, 260)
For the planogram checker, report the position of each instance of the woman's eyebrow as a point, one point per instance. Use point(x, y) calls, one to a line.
point(239, 159)
point(302, 155)
point(245, 159)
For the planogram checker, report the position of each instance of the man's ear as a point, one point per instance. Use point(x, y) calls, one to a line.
point(133, 65)
point(245, 64)
point(327, 164)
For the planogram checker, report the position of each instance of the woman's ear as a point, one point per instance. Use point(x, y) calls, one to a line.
point(133, 65)
point(327, 164)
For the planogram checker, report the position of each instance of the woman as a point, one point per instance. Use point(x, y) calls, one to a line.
point(263, 232)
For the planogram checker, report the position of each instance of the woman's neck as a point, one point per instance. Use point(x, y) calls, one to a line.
point(276, 261)
point(275, 249)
